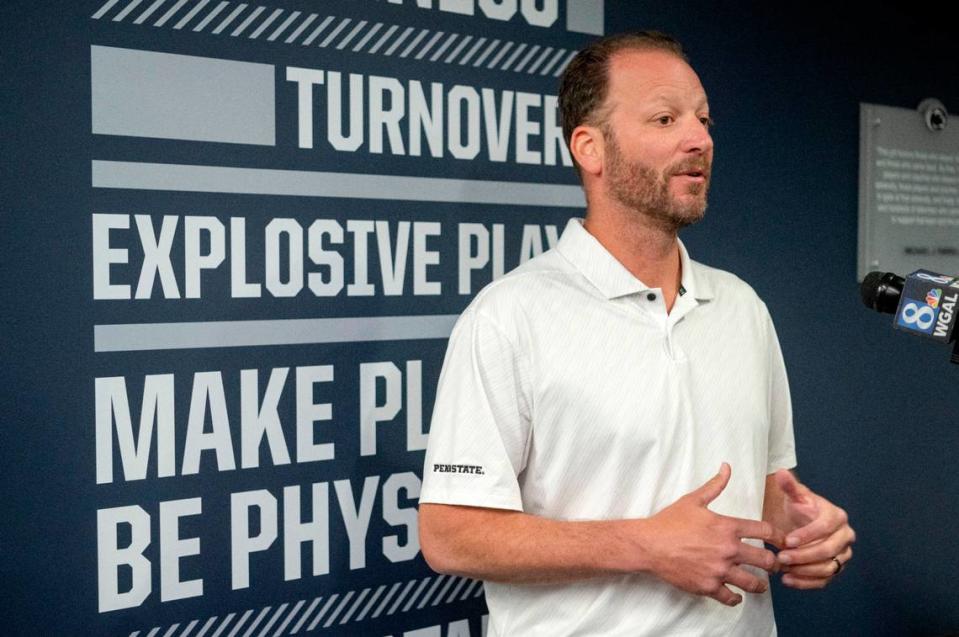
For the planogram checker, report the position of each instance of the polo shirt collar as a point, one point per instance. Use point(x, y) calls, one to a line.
point(610, 276)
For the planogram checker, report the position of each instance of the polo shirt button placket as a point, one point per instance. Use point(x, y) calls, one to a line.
point(658, 310)
point(668, 344)
point(675, 352)
point(670, 351)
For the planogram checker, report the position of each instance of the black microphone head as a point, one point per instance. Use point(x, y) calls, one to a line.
point(881, 291)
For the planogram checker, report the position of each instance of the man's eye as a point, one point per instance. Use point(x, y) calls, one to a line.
point(665, 120)
point(707, 121)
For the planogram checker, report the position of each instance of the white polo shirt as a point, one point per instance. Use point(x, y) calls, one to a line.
point(568, 392)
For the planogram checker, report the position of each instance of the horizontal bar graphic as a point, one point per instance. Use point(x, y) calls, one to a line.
point(265, 181)
point(585, 16)
point(170, 96)
point(136, 337)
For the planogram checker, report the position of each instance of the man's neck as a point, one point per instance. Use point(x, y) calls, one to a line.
point(649, 251)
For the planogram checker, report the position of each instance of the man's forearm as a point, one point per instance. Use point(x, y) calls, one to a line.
point(685, 544)
point(511, 546)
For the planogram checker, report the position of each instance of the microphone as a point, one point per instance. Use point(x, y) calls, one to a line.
point(924, 303)
point(881, 291)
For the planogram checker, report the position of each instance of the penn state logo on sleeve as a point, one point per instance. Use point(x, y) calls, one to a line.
point(459, 468)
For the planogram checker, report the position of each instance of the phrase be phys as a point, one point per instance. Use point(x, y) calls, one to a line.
point(124, 532)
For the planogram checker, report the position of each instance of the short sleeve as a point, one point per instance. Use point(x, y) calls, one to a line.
point(782, 442)
point(481, 420)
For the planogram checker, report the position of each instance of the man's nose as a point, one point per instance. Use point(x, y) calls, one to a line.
point(697, 138)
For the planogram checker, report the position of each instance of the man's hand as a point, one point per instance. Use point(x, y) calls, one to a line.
point(818, 536)
point(700, 552)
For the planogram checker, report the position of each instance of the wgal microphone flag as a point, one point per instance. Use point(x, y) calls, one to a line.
point(928, 305)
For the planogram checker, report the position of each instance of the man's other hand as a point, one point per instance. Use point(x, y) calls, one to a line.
point(818, 536)
point(700, 551)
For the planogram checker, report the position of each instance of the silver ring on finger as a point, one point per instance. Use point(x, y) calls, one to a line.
point(839, 566)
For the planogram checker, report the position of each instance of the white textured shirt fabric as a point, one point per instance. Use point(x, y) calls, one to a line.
point(568, 392)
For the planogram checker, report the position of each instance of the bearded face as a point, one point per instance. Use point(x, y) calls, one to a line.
point(672, 198)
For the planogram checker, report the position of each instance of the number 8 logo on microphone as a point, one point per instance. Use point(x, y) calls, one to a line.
point(917, 317)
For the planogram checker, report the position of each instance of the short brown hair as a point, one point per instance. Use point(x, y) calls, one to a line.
point(585, 81)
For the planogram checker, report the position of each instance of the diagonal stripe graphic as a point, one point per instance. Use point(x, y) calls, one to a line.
point(305, 616)
point(256, 622)
point(446, 587)
point(369, 604)
point(342, 25)
point(230, 18)
point(443, 47)
point(296, 32)
point(102, 11)
point(250, 18)
point(562, 67)
point(185, 19)
point(402, 596)
point(486, 53)
point(458, 49)
point(398, 41)
point(512, 58)
point(319, 29)
point(189, 628)
point(289, 618)
point(389, 595)
point(456, 590)
point(496, 58)
point(366, 38)
point(383, 39)
point(429, 45)
point(356, 604)
point(479, 591)
point(226, 622)
point(539, 60)
point(126, 11)
point(146, 14)
point(276, 616)
point(319, 616)
point(280, 29)
point(429, 594)
point(416, 593)
point(526, 59)
point(469, 589)
point(216, 11)
point(153, 632)
point(556, 58)
point(412, 45)
point(334, 614)
point(265, 24)
point(206, 627)
point(239, 624)
point(469, 54)
point(352, 34)
point(171, 630)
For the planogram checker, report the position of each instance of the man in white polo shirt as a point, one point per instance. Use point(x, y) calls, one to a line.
point(589, 397)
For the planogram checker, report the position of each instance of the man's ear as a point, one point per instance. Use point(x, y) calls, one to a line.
point(587, 147)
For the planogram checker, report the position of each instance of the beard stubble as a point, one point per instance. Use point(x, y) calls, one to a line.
point(645, 191)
